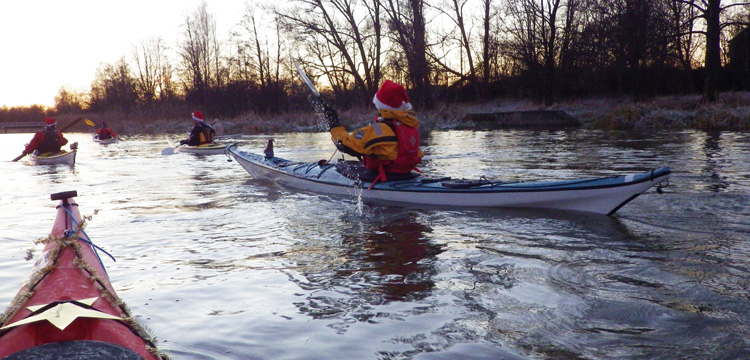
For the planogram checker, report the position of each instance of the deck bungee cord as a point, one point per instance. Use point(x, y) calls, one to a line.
point(79, 229)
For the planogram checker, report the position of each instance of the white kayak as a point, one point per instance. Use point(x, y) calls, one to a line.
point(206, 149)
point(111, 140)
point(61, 158)
point(595, 195)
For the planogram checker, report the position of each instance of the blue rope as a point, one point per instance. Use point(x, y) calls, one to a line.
point(74, 225)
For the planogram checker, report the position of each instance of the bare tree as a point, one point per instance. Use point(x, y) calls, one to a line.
point(455, 11)
point(69, 101)
point(407, 24)
point(683, 19)
point(200, 51)
point(711, 12)
point(489, 40)
point(167, 87)
point(113, 87)
point(541, 31)
point(344, 37)
point(149, 58)
point(479, 51)
point(249, 63)
point(259, 50)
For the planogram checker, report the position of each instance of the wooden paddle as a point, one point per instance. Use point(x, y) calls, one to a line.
point(87, 121)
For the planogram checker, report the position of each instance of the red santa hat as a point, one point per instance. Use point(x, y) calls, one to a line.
point(50, 122)
point(391, 96)
point(197, 116)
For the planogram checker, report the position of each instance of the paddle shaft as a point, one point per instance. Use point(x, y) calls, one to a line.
point(71, 124)
point(310, 86)
point(315, 94)
point(308, 82)
point(332, 155)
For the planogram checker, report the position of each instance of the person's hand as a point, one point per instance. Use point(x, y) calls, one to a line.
point(332, 117)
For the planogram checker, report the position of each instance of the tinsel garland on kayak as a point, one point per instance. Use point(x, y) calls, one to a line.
point(53, 255)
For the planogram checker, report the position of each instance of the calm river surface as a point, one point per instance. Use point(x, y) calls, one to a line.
point(222, 266)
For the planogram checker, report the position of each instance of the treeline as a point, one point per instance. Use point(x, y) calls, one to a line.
point(441, 50)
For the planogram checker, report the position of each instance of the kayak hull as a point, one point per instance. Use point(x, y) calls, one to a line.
point(601, 195)
point(111, 140)
point(210, 149)
point(69, 282)
point(61, 158)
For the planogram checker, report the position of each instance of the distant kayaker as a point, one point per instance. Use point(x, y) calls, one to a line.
point(104, 132)
point(390, 144)
point(48, 140)
point(202, 132)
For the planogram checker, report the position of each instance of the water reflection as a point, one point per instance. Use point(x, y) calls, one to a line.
point(54, 174)
point(398, 253)
point(713, 153)
point(375, 262)
point(282, 273)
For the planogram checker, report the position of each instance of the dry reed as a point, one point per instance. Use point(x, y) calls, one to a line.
point(730, 113)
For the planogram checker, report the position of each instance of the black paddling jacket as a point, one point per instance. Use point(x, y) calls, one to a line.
point(201, 134)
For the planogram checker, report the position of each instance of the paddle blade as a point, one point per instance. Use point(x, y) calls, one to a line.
point(167, 151)
point(89, 122)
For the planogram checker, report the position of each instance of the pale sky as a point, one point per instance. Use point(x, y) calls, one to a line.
point(48, 44)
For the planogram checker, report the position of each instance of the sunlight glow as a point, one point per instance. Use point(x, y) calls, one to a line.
point(48, 44)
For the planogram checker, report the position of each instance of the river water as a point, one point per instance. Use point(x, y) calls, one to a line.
point(222, 266)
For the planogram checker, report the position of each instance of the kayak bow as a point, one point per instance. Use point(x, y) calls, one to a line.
point(67, 308)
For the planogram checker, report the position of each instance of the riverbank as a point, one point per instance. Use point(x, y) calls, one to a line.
point(730, 113)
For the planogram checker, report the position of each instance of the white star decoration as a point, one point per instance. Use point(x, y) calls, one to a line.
point(62, 315)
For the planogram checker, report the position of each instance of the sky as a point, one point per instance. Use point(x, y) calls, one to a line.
point(48, 44)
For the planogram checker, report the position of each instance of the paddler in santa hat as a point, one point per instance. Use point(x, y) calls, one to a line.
point(202, 132)
point(48, 140)
point(389, 146)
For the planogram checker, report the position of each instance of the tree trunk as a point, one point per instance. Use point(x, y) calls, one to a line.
point(713, 51)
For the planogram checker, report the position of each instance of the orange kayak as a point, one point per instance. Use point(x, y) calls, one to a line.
point(67, 308)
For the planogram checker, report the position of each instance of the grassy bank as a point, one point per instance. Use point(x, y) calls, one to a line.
point(730, 113)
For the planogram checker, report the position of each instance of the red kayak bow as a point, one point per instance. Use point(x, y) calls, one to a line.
point(68, 308)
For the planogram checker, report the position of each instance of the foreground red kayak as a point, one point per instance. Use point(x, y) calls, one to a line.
point(67, 308)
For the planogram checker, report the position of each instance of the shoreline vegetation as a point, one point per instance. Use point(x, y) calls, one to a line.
point(731, 112)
